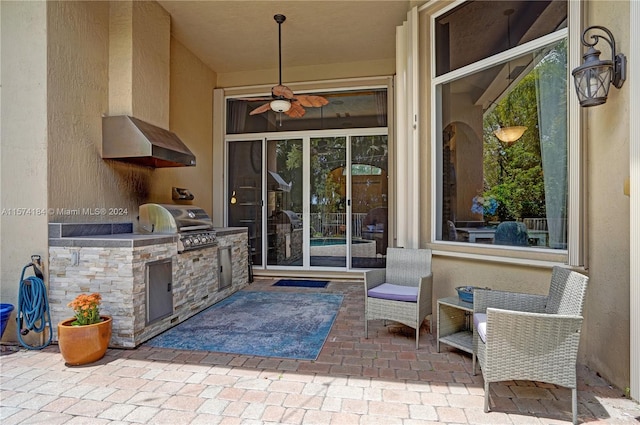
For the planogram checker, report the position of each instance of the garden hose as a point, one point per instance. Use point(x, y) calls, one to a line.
point(33, 305)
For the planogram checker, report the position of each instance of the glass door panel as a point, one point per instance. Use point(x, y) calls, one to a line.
point(245, 192)
point(369, 195)
point(284, 203)
point(328, 206)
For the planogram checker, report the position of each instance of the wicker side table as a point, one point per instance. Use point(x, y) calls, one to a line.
point(455, 324)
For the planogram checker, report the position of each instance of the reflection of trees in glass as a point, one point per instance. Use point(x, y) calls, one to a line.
point(327, 154)
point(370, 150)
point(369, 153)
point(513, 173)
point(288, 155)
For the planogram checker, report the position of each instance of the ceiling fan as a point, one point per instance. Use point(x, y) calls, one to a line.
point(282, 99)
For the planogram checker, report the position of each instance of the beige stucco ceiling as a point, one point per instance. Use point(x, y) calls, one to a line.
point(240, 36)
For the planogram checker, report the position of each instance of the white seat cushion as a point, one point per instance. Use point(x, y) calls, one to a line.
point(480, 322)
point(389, 291)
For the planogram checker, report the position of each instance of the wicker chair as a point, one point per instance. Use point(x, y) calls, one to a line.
point(530, 337)
point(402, 291)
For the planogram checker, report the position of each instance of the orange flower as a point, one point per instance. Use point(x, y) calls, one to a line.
point(86, 309)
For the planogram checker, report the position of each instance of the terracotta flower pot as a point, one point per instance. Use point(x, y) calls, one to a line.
point(83, 344)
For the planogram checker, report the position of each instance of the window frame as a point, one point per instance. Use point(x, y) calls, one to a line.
point(574, 254)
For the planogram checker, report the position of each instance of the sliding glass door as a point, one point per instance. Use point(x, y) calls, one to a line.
point(245, 192)
point(369, 197)
point(284, 210)
point(311, 200)
point(328, 202)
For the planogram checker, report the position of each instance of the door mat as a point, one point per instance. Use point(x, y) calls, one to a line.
point(268, 324)
point(302, 283)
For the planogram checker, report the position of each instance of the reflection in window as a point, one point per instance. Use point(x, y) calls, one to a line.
point(476, 30)
point(284, 203)
point(348, 109)
point(365, 170)
point(506, 193)
point(245, 192)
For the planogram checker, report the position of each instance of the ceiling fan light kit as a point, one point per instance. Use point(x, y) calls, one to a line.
point(280, 105)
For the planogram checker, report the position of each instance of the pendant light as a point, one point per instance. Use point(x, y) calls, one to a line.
point(509, 134)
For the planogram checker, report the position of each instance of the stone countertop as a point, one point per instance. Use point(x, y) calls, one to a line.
point(113, 241)
point(114, 235)
point(224, 231)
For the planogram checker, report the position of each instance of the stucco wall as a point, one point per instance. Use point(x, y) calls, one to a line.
point(23, 143)
point(191, 106)
point(80, 35)
point(606, 326)
point(450, 272)
point(77, 97)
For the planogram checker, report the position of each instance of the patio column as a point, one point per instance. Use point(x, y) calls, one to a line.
point(407, 140)
point(634, 192)
point(23, 147)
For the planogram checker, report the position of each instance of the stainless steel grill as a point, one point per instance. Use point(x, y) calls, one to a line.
point(192, 224)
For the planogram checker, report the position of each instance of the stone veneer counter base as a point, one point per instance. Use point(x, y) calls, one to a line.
point(115, 265)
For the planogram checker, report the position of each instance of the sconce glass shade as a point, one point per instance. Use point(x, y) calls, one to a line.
point(592, 79)
point(510, 134)
point(280, 105)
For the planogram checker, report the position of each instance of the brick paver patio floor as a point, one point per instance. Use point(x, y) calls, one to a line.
point(380, 380)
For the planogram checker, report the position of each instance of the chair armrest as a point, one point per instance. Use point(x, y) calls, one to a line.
point(425, 295)
point(532, 333)
point(373, 278)
point(425, 288)
point(515, 301)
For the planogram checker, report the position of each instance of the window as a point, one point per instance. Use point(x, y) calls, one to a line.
point(346, 109)
point(498, 69)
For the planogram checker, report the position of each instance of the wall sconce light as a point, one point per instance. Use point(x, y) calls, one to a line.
point(594, 76)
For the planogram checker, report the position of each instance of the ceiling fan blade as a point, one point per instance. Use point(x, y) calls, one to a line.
point(282, 91)
point(311, 101)
point(260, 109)
point(296, 110)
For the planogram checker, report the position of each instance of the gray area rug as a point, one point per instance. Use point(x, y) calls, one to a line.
point(267, 324)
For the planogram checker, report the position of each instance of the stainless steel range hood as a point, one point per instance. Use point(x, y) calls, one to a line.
point(129, 139)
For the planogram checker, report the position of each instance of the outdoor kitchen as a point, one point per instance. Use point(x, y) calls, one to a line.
point(152, 274)
point(153, 255)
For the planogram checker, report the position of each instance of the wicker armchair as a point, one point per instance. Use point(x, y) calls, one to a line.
point(530, 337)
point(402, 291)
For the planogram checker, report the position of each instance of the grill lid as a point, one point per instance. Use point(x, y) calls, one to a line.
point(287, 217)
point(168, 218)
